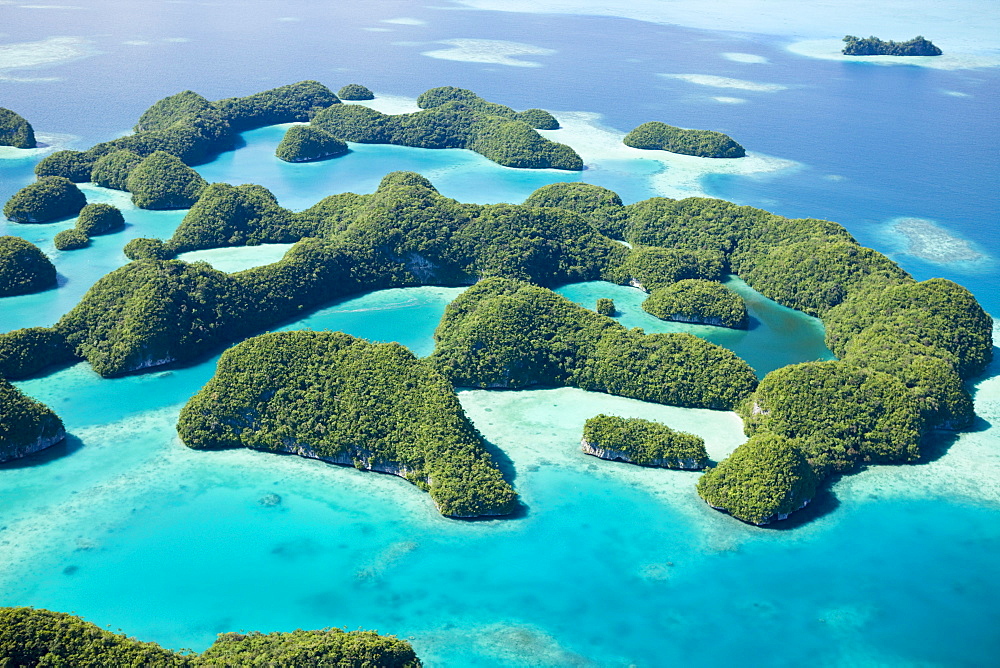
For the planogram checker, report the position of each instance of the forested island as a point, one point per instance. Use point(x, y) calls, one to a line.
point(15, 130)
point(904, 347)
point(697, 301)
point(33, 637)
point(24, 268)
point(873, 46)
point(642, 442)
point(701, 143)
point(330, 396)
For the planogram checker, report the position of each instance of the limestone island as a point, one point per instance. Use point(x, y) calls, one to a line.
point(873, 46)
point(36, 637)
point(47, 199)
point(307, 143)
point(355, 92)
point(24, 268)
point(642, 442)
point(26, 426)
point(698, 301)
point(330, 396)
point(15, 130)
point(701, 143)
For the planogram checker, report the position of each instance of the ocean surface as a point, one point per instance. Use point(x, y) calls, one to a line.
point(611, 564)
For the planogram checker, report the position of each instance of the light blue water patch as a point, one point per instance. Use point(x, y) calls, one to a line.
point(777, 335)
point(238, 258)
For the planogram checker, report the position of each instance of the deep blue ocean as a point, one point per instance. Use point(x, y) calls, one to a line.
point(611, 565)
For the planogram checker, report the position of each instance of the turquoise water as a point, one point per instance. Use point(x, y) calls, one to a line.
point(611, 565)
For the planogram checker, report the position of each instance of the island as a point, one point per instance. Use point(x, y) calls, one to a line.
point(873, 46)
point(47, 199)
point(70, 239)
point(24, 268)
point(355, 92)
point(606, 306)
point(37, 637)
point(306, 143)
point(163, 181)
point(374, 406)
point(697, 301)
point(26, 426)
point(99, 218)
point(15, 130)
point(905, 348)
point(642, 442)
point(655, 135)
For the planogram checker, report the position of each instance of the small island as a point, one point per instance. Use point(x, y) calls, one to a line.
point(15, 130)
point(26, 426)
point(47, 199)
point(330, 396)
point(307, 143)
point(642, 442)
point(24, 268)
point(354, 92)
point(701, 143)
point(873, 46)
point(698, 301)
point(36, 637)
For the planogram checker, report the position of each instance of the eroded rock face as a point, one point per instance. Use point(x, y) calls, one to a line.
point(690, 464)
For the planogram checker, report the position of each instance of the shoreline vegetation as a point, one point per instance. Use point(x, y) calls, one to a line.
point(701, 143)
point(904, 348)
point(38, 637)
point(873, 46)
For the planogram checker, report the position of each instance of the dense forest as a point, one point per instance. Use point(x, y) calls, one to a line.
point(24, 268)
point(873, 46)
point(305, 143)
point(701, 143)
point(331, 396)
point(698, 301)
point(47, 199)
point(32, 637)
point(94, 220)
point(15, 130)
point(26, 426)
point(642, 442)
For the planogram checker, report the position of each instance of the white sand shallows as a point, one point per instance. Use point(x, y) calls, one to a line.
point(238, 258)
point(830, 49)
point(44, 53)
point(493, 51)
point(930, 242)
point(681, 175)
point(727, 82)
point(749, 58)
point(405, 21)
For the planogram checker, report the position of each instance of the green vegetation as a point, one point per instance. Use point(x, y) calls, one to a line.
point(294, 103)
point(841, 414)
point(304, 143)
point(112, 170)
point(330, 396)
point(47, 199)
point(355, 92)
point(508, 334)
point(538, 119)
point(649, 268)
point(73, 165)
point(71, 239)
point(25, 352)
point(162, 181)
point(702, 143)
point(147, 249)
point(606, 306)
point(765, 479)
point(699, 301)
point(26, 426)
point(97, 219)
point(226, 215)
point(600, 206)
point(642, 442)
point(15, 130)
point(873, 46)
point(453, 118)
point(30, 637)
point(24, 268)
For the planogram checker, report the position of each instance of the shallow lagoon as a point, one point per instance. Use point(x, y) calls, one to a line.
point(611, 564)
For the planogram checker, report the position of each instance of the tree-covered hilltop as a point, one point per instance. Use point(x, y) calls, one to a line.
point(294, 103)
point(24, 268)
point(600, 206)
point(32, 637)
point(25, 352)
point(702, 143)
point(454, 120)
point(642, 442)
point(442, 95)
point(99, 218)
point(15, 130)
point(873, 46)
point(71, 239)
point(26, 426)
point(503, 333)
point(765, 479)
point(606, 306)
point(162, 181)
point(47, 199)
point(330, 396)
point(305, 143)
point(651, 267)
point(698, 301)
point(355, 92)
